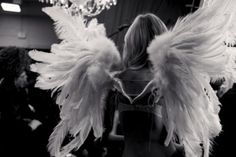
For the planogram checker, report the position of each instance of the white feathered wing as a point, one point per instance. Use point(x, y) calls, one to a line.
point(79, 68)
point(185, 59)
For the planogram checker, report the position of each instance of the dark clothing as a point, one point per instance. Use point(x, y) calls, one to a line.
point(140, 116)
point(15, 134)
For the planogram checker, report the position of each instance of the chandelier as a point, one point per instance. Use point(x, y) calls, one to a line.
point(83, 7)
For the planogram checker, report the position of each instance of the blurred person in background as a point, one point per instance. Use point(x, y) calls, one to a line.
point(16, 114)
point(24, 110)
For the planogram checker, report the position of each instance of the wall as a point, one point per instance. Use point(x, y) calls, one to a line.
point(38, 31)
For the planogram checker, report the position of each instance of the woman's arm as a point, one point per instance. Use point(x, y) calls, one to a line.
point(113, 134)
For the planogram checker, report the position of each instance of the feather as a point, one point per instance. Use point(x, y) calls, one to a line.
point(78, 140)
point(68, 27)
point(57, 137)
point(230, 34)
point(73, 28)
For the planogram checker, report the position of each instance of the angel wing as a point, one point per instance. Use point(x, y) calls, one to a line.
point(185, 59)
point(79, 68)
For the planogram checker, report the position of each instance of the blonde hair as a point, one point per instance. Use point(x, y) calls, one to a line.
point(144, 28)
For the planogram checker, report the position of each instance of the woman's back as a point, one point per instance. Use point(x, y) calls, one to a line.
point(140, 116)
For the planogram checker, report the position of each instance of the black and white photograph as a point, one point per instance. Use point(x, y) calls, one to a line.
point(117, 78)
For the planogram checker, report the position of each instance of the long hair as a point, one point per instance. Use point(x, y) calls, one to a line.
point(144, 28)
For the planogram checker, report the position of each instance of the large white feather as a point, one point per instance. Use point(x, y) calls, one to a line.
point(67, 27)
point(185, 59)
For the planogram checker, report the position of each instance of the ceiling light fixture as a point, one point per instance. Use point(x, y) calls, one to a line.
point(11, 7)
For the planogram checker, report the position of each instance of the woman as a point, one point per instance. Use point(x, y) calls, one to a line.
point(143, 129)
point(164, 101)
